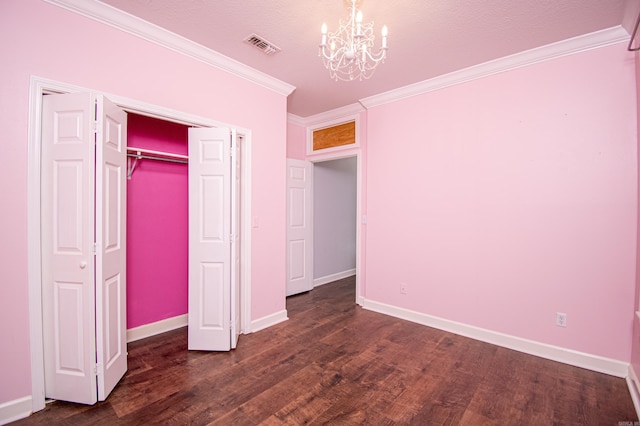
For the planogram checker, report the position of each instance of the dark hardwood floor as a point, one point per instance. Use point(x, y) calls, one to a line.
point(335, 363)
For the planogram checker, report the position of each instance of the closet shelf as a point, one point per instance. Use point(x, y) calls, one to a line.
point(148, 154)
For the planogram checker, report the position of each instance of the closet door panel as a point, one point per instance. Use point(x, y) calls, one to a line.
point(236, 196)
point(111, 158)
point(209, 239)
point(67, 220)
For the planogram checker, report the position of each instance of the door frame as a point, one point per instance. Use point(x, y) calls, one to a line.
point(39, 87)
point(338, 155)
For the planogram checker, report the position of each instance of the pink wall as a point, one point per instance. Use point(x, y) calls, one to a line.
point(506, 199)
point(157, 225)
point(635, 350)
point(50, 42)
point(296, 141)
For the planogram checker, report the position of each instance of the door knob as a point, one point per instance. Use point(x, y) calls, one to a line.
point(83, 264)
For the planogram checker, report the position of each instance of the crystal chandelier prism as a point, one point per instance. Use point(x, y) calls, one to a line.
point(348, 52)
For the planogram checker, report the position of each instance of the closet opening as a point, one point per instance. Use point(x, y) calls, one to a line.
point(157, 228)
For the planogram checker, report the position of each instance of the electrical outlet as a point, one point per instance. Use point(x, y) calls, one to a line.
point(561, 319)
point(403, 288)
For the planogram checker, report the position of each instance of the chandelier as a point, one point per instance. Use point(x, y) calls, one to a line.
point(348, 53)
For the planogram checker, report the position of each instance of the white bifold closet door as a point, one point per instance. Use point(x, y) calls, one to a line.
point(212, 239)
point(83, 217)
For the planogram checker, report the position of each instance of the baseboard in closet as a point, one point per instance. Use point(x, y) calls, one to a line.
point(158, 327)
point(333, 277)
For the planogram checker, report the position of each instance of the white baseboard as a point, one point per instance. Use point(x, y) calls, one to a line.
point(634, 388)
point(157, 327)
point(333, 277)
point(169, 324)
point(268, 321)
point(555, 353)
point(15, 410)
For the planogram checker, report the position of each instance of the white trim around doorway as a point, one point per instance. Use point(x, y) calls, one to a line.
point(337, 155)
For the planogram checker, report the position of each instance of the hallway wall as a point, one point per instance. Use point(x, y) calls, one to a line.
point(334, 217)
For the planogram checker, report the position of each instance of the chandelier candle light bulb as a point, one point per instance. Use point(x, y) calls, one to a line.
point(341, 56)
point(385, 31)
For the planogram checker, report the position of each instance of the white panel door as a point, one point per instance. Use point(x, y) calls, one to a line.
point(67, 219)
point(209, 239)
point(236, 158)
point(299, 227)
point(111, 326)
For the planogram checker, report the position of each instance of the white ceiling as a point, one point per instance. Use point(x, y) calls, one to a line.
point(427, 38)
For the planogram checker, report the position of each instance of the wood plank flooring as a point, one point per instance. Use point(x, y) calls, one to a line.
point(335, 363)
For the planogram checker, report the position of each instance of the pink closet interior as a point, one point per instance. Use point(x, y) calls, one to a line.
point(157, 224)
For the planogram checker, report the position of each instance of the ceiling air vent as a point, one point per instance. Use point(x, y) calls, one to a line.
point(260, 43)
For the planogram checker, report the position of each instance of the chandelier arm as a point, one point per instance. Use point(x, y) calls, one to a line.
point(377, 57)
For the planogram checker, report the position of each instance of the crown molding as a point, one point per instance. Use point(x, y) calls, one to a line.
point(331, 115)
point(128, 23)
point(296, 119)
point(528, 57)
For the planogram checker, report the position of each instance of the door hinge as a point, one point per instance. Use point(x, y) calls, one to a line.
point(96, 131)
point(95, 249)
point(98, 368)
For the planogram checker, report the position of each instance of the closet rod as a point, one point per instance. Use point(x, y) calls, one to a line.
point(142, 151)
point(149, 157)
point(148, 154)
